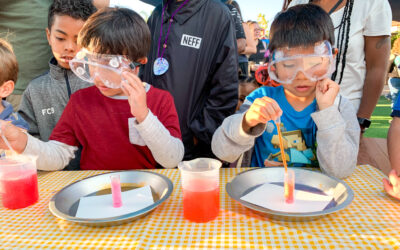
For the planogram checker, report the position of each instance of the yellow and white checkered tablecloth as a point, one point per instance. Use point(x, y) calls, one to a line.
point(372, 221)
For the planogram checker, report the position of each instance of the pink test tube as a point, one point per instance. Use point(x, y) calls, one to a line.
point(289, 183)
point(116, 190)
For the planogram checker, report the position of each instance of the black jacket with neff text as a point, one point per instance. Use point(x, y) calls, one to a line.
point(202, 76)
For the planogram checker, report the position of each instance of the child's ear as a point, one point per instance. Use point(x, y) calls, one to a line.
point(7, 88)
point(48, 35)
point(142, 60)
point(335, 52)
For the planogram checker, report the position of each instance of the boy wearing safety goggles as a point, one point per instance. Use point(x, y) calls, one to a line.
point(121, 122)
point(319, 126)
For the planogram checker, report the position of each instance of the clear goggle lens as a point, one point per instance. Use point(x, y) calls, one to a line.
point(106, 68)
point(315, 67)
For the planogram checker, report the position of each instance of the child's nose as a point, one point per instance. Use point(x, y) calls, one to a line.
point(301, 76)
point(70, 46)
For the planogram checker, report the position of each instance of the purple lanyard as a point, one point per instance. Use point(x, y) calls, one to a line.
point(169, 28)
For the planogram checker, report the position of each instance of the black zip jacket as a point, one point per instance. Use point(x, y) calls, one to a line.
point(202, 75)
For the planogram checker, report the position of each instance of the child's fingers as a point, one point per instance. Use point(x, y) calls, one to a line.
point(3, 126)
point(124, 90)
point(388, 188)
point(270, 112)
point(394, 181)
point(128, 89)
point(133, 80)
point(259, 114)
point(331, 85)
point(265, 110)
point(393, 178)
point(272, 106)
point(322, 86)
point(268, 163)
point(272, 102)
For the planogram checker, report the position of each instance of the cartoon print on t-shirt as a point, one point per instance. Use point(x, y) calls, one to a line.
point(296, 150)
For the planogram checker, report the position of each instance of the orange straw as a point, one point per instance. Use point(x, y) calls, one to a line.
point(278, 126)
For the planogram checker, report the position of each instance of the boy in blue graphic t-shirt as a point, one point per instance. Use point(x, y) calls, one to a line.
point(319, 126)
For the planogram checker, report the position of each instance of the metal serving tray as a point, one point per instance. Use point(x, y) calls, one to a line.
point(247, 181)
point(64, 203)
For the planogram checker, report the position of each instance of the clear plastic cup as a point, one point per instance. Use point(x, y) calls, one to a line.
point(18, 182)
point(200, 186)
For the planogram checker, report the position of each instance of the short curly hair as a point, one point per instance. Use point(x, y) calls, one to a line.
point(77, 9)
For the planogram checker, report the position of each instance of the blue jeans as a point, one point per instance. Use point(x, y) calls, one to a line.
point(394, 86)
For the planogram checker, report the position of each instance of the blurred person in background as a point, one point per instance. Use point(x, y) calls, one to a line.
point(23, 23)
point(251, 45)
point(257, 59)
point(239, 31)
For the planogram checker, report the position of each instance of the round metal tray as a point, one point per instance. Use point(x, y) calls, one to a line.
point(248, 180)
point(64, 203)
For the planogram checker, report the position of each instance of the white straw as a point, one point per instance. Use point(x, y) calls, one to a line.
point(6, 141)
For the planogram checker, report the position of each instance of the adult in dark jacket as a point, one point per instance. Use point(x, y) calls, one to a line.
point(199, 44)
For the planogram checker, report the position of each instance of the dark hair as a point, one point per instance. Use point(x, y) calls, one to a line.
point(116, 31)
point(8, 62)
point(301, 25)
point(236, 5)
point(244, 80)
point(343, 43)
point(77, 9)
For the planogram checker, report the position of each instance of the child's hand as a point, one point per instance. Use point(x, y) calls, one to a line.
point(261, 111)
point(392, 186)
point(325, 93)
point(268, 163)
point(14, 136)
point(133, 88)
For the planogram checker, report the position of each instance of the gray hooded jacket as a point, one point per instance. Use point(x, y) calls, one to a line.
point(45, 98)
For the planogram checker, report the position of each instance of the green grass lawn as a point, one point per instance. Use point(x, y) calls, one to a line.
point(380, 119)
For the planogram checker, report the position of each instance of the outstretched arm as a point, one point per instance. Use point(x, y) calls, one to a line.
point(377, 53)
point(52, 155)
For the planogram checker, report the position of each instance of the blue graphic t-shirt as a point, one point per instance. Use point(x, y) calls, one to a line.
point(298, 132)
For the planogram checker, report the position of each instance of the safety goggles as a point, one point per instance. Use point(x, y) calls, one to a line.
point(262, 77)
point(108, 68)
point(284, 67)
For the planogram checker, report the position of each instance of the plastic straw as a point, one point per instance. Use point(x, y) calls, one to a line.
point(6, 141)
point(278, 127)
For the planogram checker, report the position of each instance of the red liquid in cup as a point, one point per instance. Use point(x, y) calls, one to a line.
point(200, 206)
point(20, 191)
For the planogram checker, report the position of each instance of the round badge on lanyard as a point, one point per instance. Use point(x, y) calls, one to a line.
point(160, 66)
